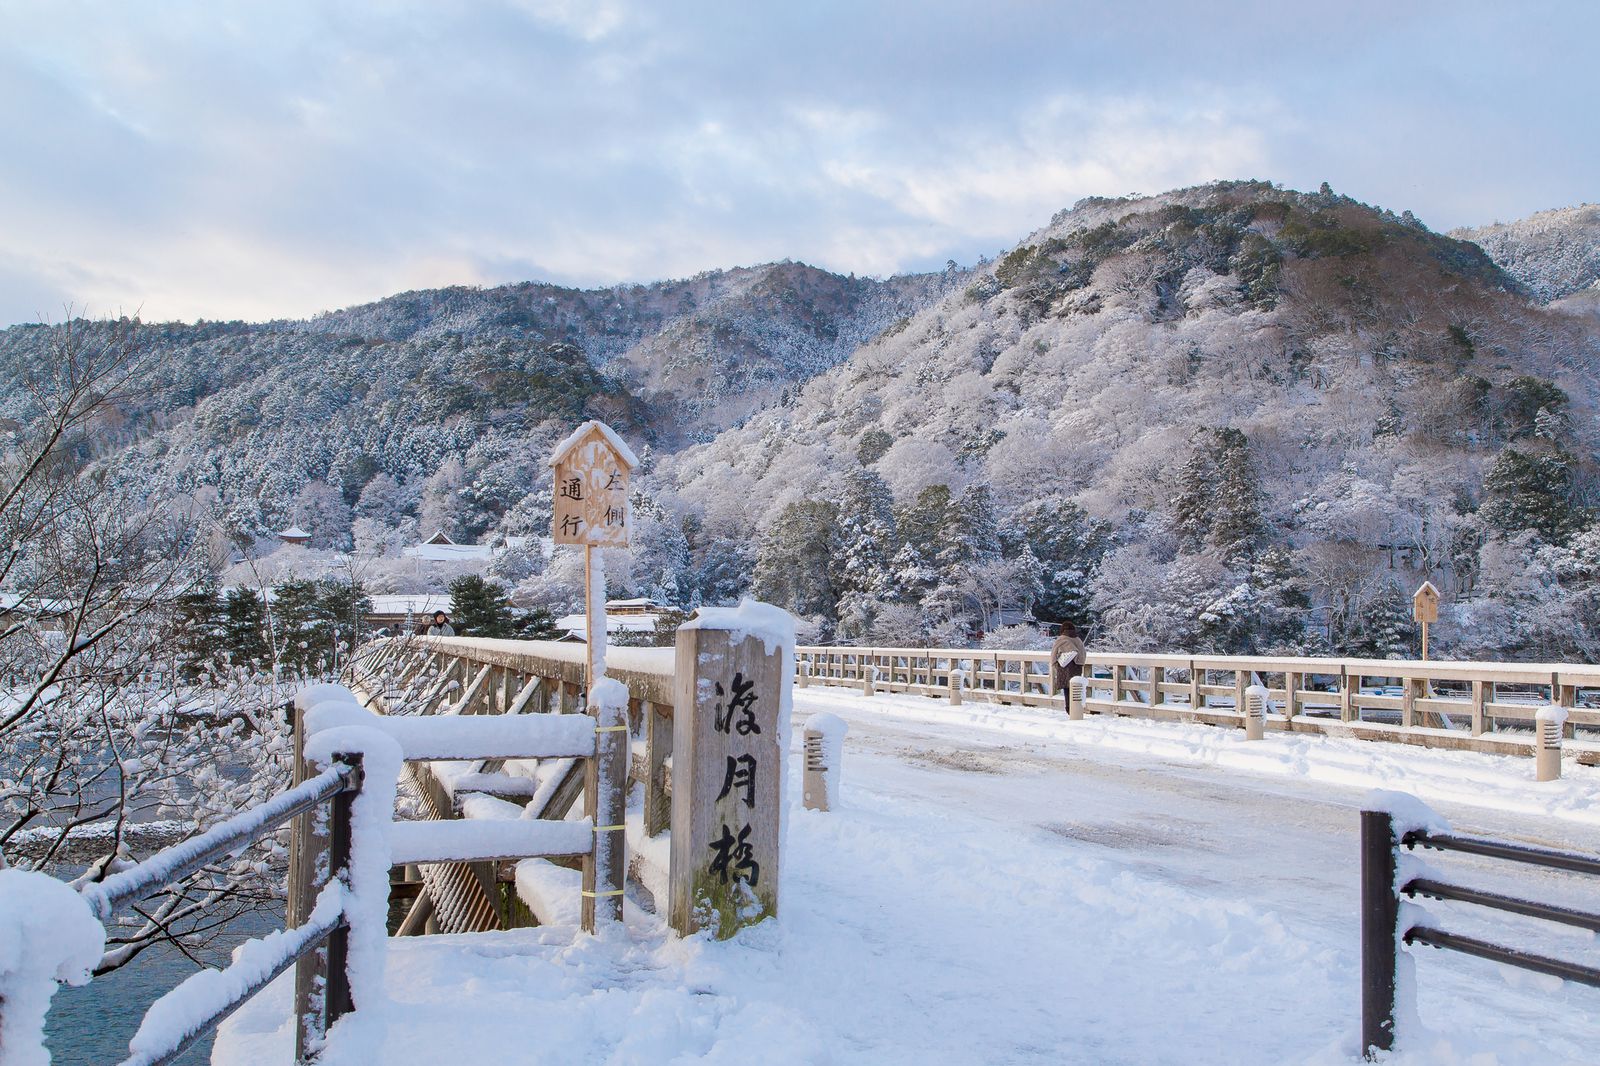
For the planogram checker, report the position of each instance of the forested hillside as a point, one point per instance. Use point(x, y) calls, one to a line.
point(436, 409)
point(1232, 417)
point(1554, 254)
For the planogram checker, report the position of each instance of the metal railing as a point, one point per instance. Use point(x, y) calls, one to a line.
point(1382, 937)
point(338, 785)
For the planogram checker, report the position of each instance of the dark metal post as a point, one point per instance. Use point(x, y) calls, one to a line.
point(339, 1000)
point(1380, 917)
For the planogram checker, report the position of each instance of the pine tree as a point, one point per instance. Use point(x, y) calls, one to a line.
point(864, 543)
point(244, 626)
point(198, 630)
point(1069, 546)
point(1219, 501)
point(1527, 489)
point(794, 563)
point(479, 608)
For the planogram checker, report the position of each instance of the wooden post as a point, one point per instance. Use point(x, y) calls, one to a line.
point(727, 778)
point(605, 803)
point(1291, 689)
point(1349, 684)
point(1241, 682)
point(1117, 673)
point(1408, 702)
point(657, 748)
point(1477, 708)
point(1196, 679)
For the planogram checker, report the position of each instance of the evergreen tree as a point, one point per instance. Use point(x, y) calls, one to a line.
point(1069, 546)
point(794, 563)
point(479, 608)
point(244, 626)
point(864, 543)
point(537, 623)
point(1382, 628)
point(198, 632)
point(1527, 489)
point(294, 622)
point(1219, 501)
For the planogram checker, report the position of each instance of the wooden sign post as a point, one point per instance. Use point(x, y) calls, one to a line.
point(591, 508)
point(734, 669)
point(592, 468)
point(1425, 609)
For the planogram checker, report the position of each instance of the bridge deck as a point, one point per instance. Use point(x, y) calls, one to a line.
point(1005, 886)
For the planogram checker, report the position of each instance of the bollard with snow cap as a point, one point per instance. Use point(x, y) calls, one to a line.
point(958, 682)
point(1077, 692)
point(1255, 712)
point(1547, 742)
point(824, 751)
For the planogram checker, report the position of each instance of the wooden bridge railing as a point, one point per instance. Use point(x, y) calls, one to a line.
point(1480, 706)
point(464, 676)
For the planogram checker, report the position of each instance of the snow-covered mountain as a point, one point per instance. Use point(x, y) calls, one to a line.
point(439, 401)
point(1229, 417)
point(1552, 253)
point(1201, 419)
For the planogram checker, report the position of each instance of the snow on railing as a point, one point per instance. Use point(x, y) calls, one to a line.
point(1441, 704)
point(73, 922)
point(1392, 823)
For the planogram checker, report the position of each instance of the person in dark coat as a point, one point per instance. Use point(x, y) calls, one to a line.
point(1066, 660)
point(441, 626)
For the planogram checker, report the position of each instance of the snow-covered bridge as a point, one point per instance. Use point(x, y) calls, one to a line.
point(1004, 885)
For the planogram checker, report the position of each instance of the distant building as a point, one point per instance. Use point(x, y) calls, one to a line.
point(294, 535)
point(622, 616)
point(439, 548)
point(406, 608)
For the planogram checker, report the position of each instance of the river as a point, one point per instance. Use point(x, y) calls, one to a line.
point(91, 1025)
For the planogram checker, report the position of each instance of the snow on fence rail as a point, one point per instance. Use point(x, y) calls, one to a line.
point(477, 683)
point(1392, 823)
point(1489, 707)
point(741, 651)
point(174, 1022)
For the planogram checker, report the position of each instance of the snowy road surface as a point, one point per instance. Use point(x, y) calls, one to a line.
point(1005, 886)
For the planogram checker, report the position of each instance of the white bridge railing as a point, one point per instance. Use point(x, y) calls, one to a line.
point(1491, 707)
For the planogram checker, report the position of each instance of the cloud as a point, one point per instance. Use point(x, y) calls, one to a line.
point(229, 160)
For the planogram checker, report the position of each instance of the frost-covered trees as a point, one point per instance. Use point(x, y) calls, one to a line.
point(480, 608)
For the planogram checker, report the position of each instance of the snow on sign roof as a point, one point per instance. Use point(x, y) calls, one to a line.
point(624, 453)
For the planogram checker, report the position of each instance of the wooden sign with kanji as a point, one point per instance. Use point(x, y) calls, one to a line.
point(591, 488)
point(1425, 603)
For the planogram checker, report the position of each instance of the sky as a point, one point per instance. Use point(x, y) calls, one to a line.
point(224, 160)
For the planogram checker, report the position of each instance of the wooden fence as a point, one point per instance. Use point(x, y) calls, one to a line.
point(479, 676)
point(1487, 707)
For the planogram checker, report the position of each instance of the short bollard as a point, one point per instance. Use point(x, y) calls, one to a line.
point(824, 750)
point(1077, 692)
point(803, 676)
point(958, 681)
point(1547, 742)
point(1255, 712)
point(869, 681)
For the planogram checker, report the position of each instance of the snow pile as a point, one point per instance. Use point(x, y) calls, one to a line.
point(1553, 714)
point(47, 934)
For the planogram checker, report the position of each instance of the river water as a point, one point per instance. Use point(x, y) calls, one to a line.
point(91, 1025)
